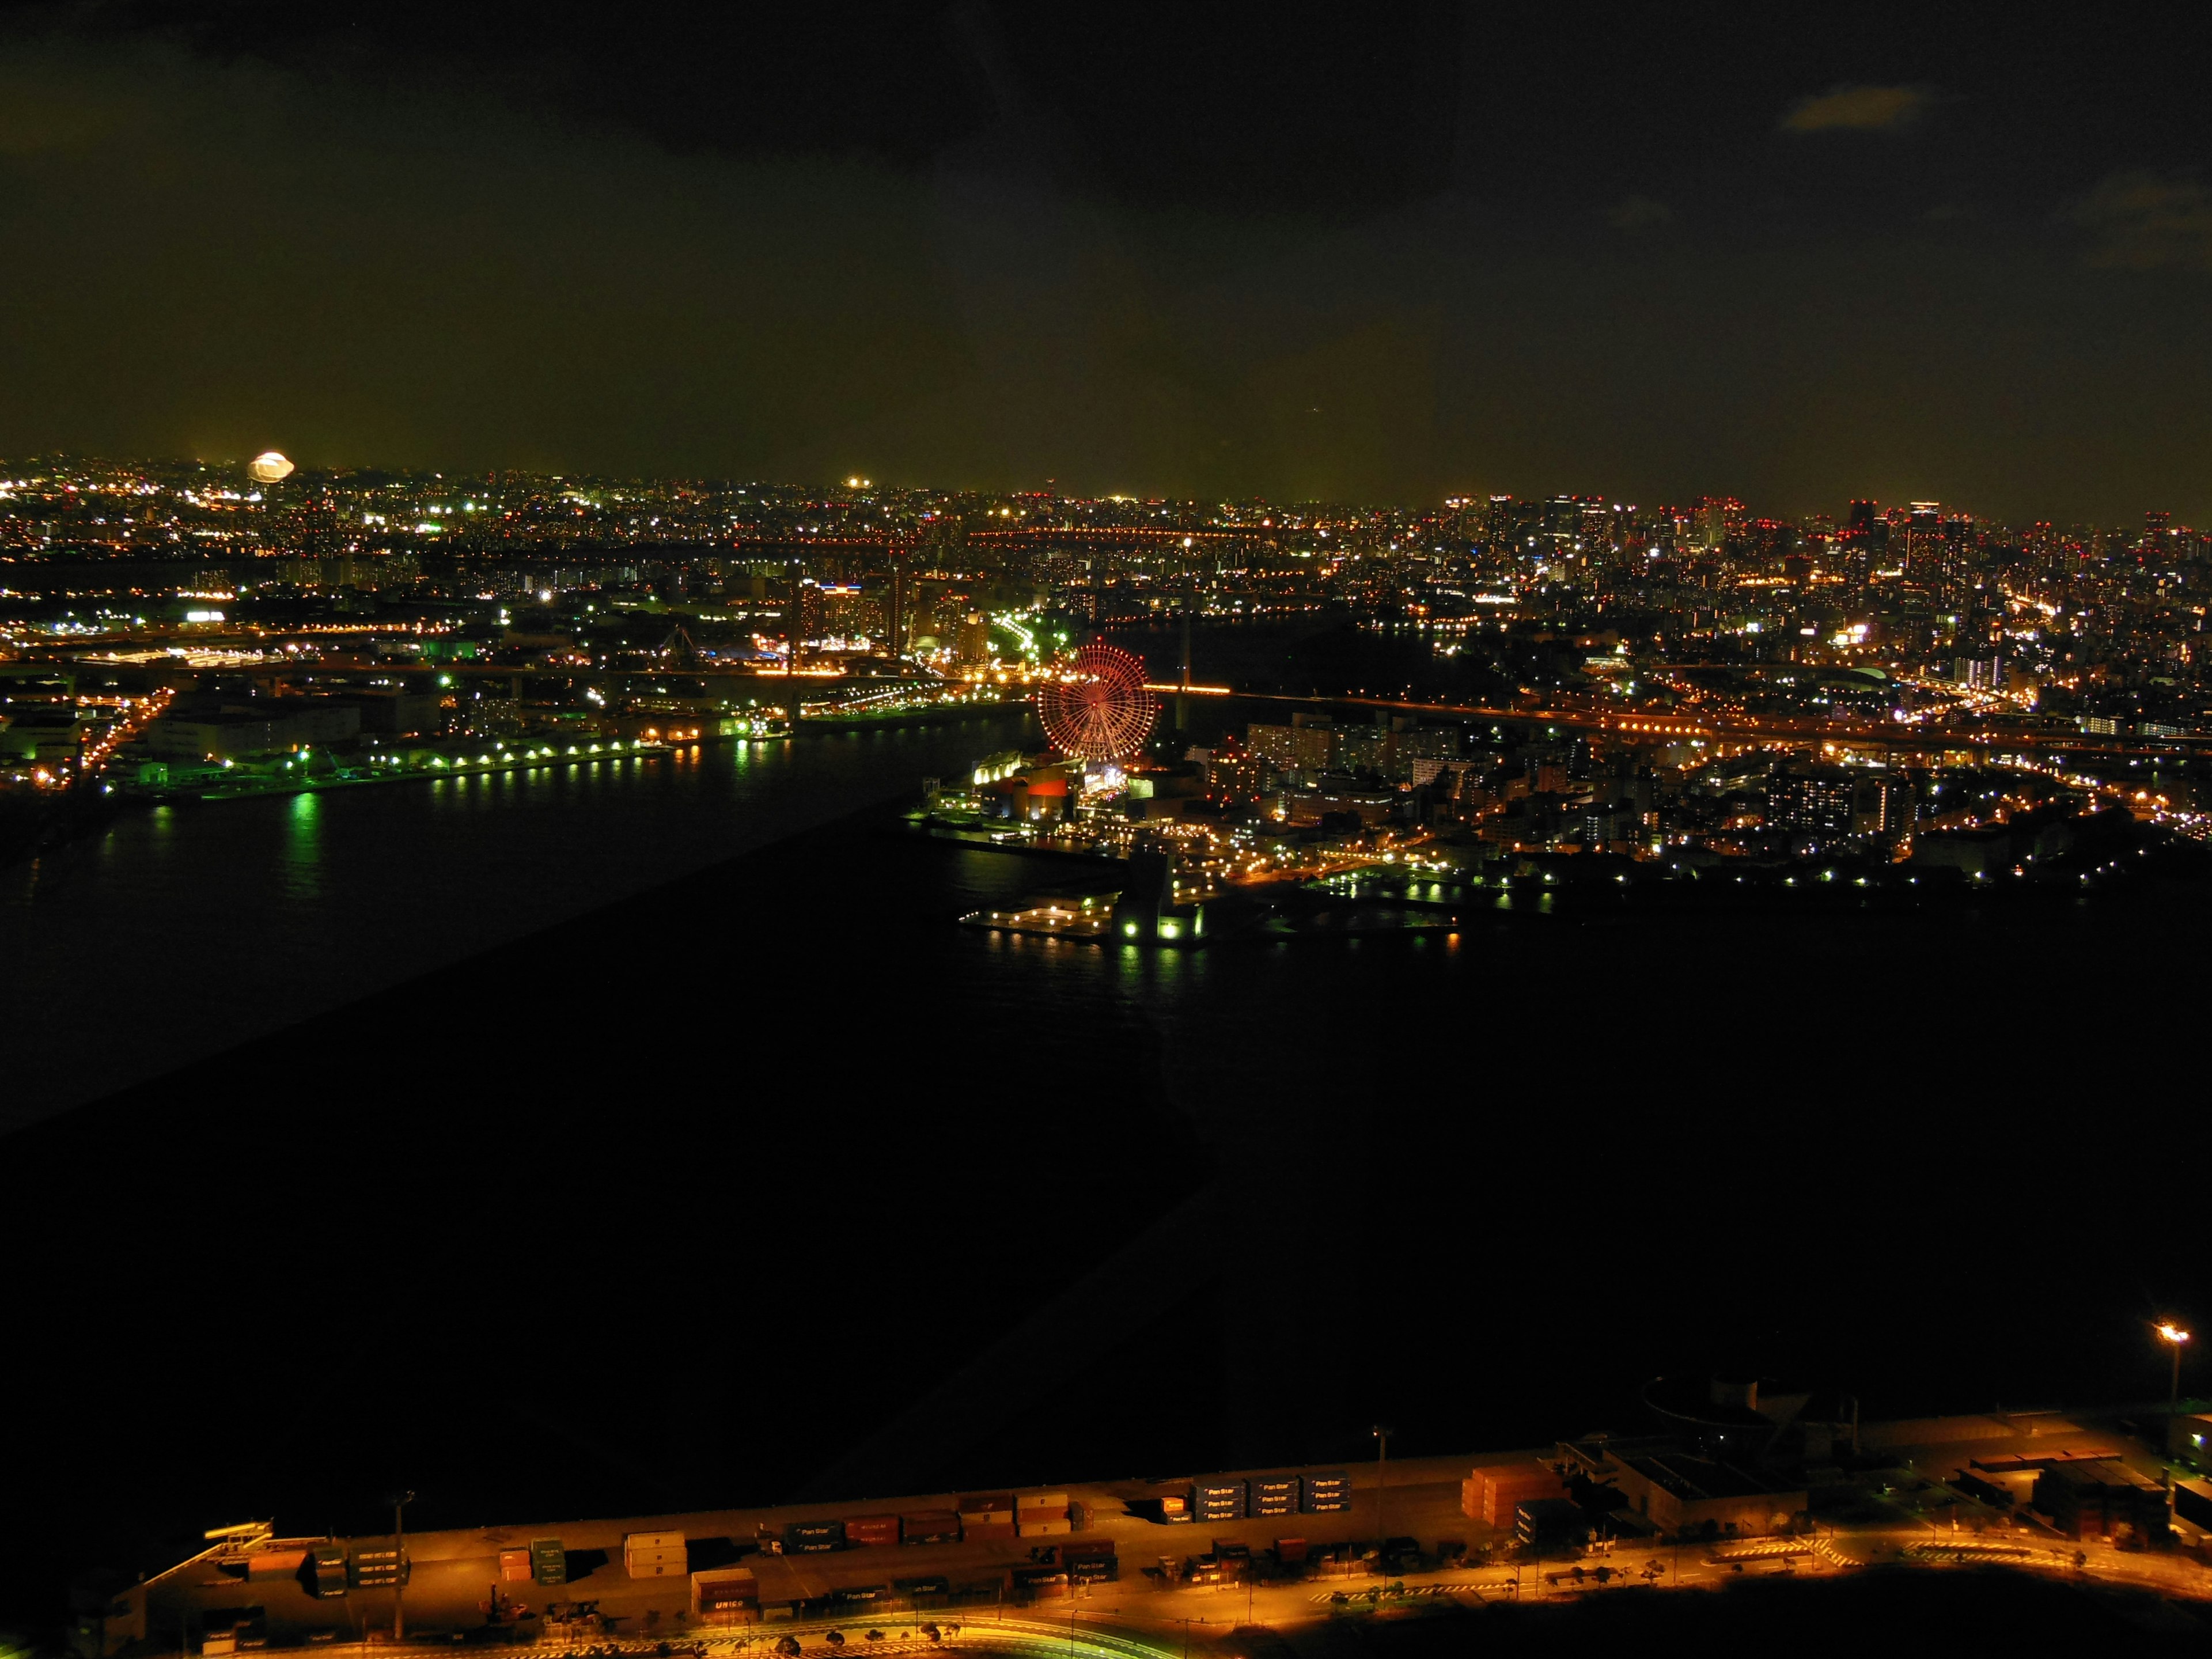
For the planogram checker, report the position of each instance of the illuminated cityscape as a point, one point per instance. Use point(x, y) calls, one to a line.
point(1232, 832)
point(1889, 697)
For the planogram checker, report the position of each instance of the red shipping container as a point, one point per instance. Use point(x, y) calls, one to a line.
point(1290, 1551)
point(514, 1566)
point(871, 1530)
point(1508, 1486)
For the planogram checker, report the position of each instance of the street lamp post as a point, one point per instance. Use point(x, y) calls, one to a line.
point(1381, 1432)
point(399, 1502)
point(2173, 1336)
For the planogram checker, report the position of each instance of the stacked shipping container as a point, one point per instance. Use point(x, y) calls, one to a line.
point(813, 1537)
point(1041, 1513)
point(376, 1565)
point(988, 1516)
point(930, 1527)
point(549, 1561)
point(725, 1593)
point(1218, 1500)
point(861, 1530)
point(1491, 1496)
point(1325, 1494)
point(329, 1569)
point(1275, 1494)
point(656, 1555)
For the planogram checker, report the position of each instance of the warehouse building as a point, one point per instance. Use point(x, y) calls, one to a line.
point(1685, 1493)
point(2102, 1498)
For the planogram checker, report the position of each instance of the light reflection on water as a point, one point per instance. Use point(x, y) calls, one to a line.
point(303, 849)
point(185, 907)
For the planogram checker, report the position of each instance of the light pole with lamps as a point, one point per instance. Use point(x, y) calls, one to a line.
point(2173, 1336)
point(400, 1500)
point(1381, 1432)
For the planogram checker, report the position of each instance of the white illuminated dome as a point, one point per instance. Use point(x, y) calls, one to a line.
point(269, 467)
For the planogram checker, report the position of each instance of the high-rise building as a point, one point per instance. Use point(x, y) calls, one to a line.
point(974, 641)
point(1813, 800)
point(1885, 804)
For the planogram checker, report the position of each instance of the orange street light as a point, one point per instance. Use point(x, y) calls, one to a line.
point(2173, 1336)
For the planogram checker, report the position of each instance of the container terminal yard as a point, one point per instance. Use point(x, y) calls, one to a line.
point(1133, 1567)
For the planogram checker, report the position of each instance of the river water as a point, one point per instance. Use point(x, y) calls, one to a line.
point(180, 932)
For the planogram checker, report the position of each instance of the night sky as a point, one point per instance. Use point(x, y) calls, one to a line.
point(1343, 251)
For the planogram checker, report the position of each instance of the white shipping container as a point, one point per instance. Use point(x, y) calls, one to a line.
point(651, 1540)
point(677, 1567)
point(1036, 1525)
point(1041, 1500)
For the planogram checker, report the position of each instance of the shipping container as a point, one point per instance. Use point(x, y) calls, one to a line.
point(655, 1557)
point(1290, 1551)
point(676, 1567)
point(930, 1527)
point(1325, 1493)
point(329, 1563)
point(1508, 1486)
point(1218, 1500)
point(991, 1507)
point(1041, 1500)
point(1089, 1566)
point(549, 1561)
point(724, 1588)
point(859, 1592)
point(1040, 1523)
point(378, 1565)
point(1277, 1485)
point(977, 1532)
point(636, 1541)
point(935, 1584)
point(813, 1537)
point(866, 1529)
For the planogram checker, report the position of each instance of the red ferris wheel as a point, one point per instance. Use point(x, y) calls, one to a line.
point(1098, 709)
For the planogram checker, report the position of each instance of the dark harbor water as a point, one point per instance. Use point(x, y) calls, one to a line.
point(178, 932)
point(760, 1178)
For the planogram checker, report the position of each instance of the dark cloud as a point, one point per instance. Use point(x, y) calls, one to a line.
point(1860, 109)
point(1290, 250)
point(2143, 222)
point(1634, 213)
